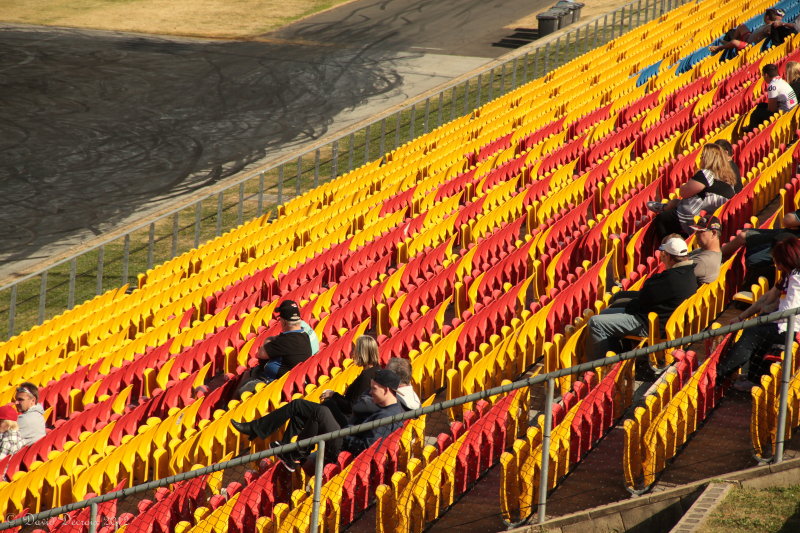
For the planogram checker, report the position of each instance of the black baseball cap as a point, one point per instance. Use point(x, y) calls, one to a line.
point(288, 310)
point(387, 378)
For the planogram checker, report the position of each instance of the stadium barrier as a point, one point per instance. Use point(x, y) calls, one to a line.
point(117, 260)
point(307, 510)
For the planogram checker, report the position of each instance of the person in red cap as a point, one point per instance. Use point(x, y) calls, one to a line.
point(10, 439)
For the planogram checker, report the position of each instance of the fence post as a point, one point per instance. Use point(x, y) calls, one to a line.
point(151, 237)
point(73, 271)
point(220, 200)
point(12, 310)
point(318, 466)
point(240, 210)
point(548, 427)
point(175, 235)
point(261, 194)
point(100, 260)
point(126, 251)
point(42, 296)
point(280, 184)
point(93, 518)
point(197, 216)
point(788, 353)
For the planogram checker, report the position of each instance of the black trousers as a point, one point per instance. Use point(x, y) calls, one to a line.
point(749, 351)
point(666, 223)
point(760, 114)
point(306, 419)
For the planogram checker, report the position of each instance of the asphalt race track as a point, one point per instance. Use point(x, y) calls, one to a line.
point(96, 125)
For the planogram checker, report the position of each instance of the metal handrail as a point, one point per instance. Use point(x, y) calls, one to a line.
point(441, 406)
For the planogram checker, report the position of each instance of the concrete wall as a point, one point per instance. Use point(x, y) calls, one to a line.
point(660, 511)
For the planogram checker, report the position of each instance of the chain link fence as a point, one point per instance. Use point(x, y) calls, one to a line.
point(116, 261)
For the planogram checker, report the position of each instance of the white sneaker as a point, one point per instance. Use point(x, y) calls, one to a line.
point(656, 207)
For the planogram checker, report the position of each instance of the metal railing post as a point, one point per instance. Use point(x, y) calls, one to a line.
point(197, 217)
point(126, 251)
point(319, 464)
point(12, 310)
point(93, 518)
point(100, 260)
point(548, 427)
point(151, 237)
point(261, 194)
point(42, 296)
point(786, 378)
point(73, 270)
point(220, 201)
point(175, 235)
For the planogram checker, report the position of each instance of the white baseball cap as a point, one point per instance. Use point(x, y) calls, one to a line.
point(676, 247)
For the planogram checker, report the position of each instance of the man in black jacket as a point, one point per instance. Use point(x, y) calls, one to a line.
point(661, 293)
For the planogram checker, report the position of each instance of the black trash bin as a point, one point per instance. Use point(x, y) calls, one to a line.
point(548, 22)
point(564, 16)
point(574, 7)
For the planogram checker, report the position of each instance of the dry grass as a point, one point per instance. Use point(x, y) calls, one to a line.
point(196, 18)
point(764, 511)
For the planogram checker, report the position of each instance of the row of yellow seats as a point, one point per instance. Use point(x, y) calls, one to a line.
point(521, 468)
point(419, 496)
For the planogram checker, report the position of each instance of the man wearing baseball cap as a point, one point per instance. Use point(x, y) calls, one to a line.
point(308, 419)
point(292, 309)
point(661, 293)
point(280, 353)
point(708, 257)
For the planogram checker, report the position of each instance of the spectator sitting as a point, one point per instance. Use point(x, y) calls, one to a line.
point(356, 401)
point(755, 342)
point(774, 28)
point(292, 306)
point(780, 97)
point(10, 438)
point(308, 419)
point(31, 413)
point(661, 293)
point(709, 188)
point(405, 393)
point(736, 39)
point(280, 353)
point(793, 76)
point(728, 148)
point(708, 257)
point(758, 245)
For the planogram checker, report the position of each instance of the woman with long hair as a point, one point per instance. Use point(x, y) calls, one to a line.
point(748, 352)
point(336, 411)
point(709, 188)
point(793, 75)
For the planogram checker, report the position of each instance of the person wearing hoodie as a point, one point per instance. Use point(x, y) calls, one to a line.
point(405, 392)
point(31, 413)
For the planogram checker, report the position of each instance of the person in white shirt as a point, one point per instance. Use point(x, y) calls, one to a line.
point(749, 351)
point(780, 97)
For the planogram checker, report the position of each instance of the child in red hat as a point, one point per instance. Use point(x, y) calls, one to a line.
point(10, 439)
